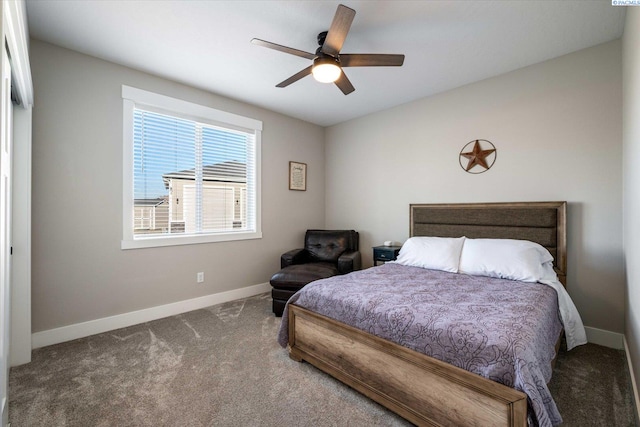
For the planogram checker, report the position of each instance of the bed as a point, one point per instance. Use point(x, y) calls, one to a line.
point(420, 388)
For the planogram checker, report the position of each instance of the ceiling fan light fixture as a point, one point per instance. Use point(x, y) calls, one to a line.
point(326, 69)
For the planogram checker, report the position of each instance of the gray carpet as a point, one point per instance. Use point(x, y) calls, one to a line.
point(221, 366)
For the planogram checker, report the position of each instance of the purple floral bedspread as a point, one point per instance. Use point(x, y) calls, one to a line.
point(500, 329)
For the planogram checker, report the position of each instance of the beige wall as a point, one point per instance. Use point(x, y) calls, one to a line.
point(631, 181)
point(79, 271)
point(557, 128)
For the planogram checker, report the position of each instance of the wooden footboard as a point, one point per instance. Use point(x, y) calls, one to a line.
point(419, 388)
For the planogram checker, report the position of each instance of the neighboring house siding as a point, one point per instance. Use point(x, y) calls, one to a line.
point(176, 198)
point(182, 195)
point(151, 216)
point(224, 196)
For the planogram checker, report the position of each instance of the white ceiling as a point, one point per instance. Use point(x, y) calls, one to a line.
point(206, 44)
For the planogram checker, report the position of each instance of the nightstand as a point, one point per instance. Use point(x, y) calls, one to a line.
point(385, 253)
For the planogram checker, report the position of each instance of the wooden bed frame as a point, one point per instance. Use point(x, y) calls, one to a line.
point(417, 387)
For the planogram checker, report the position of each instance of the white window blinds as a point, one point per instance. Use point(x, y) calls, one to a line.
point(191, 173)
point(190, 177)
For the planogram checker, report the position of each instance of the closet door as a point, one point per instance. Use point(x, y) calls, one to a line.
point(6, 142)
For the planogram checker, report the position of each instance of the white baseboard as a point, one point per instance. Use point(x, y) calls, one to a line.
point(605, 338)
point(98, 326)
point(4, 412)
point(633, 380)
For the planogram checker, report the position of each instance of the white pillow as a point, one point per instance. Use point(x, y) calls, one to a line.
point(504, 258)
point(436, 253)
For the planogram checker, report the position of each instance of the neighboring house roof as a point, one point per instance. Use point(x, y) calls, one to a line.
point(150, 202)
point(221, 172)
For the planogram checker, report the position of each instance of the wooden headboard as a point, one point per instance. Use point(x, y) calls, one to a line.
point(540, 222)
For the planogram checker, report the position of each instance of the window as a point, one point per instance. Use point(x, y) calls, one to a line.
point(191, 173)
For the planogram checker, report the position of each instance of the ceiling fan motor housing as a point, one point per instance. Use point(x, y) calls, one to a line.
point(322, 37)
point(325, 58)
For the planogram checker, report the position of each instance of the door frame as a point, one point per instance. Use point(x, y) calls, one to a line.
point(6, 157)
point(15, 35)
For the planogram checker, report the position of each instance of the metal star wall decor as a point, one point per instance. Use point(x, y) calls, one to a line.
point(482, 157)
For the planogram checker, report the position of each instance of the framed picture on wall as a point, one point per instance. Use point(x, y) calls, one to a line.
point(297, 176)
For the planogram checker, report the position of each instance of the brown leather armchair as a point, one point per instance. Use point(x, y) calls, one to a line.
point(326, 253)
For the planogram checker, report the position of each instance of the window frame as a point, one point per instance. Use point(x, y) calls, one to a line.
point(132, 97)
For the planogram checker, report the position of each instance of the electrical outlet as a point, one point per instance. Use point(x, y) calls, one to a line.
point(200, 277)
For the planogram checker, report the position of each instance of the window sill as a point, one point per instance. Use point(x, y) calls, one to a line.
point(154, 242)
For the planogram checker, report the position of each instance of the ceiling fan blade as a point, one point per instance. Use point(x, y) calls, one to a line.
point(284, 49)
point(338, 30)
point(344, 84)
point(295, 77)
point(370, 60)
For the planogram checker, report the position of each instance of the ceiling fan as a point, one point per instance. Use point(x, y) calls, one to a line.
point(328, 61)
